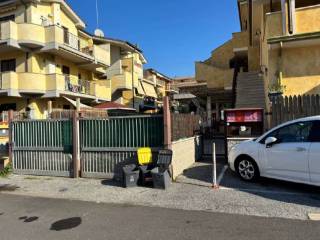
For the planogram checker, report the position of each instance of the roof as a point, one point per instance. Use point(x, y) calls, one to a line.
point(153, 71)
point(183, 96)
point(120, 43)
point(113, 106)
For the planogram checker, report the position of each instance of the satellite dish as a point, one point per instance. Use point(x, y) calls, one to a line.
point(98, 33)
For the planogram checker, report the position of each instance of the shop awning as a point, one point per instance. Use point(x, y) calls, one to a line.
point(74, 103)
point(149, 89)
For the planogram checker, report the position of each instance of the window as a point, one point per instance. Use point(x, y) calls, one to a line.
point(315, 132)
point(297, 132)
point(7, 18)
point(8, 65)
point(65, 70)
point(7, 107)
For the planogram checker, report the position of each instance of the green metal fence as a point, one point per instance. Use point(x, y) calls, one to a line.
point(45, 147)
point(106, 145)
point(42, 147)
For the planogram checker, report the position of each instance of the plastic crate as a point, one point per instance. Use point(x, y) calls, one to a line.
point(161, 179)
point(164, 159)
point(130, 176)
point(144, 156)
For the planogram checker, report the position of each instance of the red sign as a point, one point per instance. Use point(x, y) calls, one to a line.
point(244, 116)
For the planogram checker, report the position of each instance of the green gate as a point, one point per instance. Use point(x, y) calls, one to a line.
point(42, 147)
point(106, 145)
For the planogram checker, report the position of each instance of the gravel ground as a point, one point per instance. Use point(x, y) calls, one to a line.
point(191, 192)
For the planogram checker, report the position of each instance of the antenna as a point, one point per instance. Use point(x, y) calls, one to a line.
point(98, 32)
point(97, 12)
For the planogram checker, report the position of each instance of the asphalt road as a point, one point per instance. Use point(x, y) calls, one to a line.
point(39, 218)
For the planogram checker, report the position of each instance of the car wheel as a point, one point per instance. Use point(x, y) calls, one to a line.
point(248, 170)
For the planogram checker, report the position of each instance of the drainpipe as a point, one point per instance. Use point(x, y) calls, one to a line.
point(132, 78)
point(250, 7)
point(25, 11)
point(284, 17)
point(281, 64)
point(292, 16)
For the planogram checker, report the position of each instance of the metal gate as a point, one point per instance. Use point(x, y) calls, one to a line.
point(106, 145)
point(42, 147)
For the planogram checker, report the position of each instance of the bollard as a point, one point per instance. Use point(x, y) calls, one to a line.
point(214, 167)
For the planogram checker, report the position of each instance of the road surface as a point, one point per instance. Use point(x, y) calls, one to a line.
point(26, 218)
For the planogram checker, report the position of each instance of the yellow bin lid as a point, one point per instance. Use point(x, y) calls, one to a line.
point(144, 156)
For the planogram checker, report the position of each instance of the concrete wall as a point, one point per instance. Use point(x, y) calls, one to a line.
point(184, 154)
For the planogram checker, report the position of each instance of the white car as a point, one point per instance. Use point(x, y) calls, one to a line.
point(288, 152)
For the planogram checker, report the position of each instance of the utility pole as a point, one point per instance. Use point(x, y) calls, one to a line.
point(132, 78)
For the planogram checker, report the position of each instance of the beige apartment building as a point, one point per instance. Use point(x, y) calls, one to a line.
point(48, 61)
point(47, 58)
point(275, 53)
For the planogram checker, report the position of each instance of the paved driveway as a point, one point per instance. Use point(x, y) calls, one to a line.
point(192, 192)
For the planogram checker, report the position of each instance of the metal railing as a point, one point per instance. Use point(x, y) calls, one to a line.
point(74, 42)
point(83, 86)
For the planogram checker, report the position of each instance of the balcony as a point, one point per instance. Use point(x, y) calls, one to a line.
point(124, 81)
point(52, 85)
point(98, 89)
point(56, 40)
point(307, 21)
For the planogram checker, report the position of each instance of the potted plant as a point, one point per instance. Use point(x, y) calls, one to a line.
point(276, 90)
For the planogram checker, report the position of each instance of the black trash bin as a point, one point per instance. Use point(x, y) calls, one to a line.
point(164, 159)
point(145, 175)
point(160, 175)
point(130, 175)
point(161, 178)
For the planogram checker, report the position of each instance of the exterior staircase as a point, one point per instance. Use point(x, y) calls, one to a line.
point(250, 91)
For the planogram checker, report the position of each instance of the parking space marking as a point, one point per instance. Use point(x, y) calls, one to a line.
point(263, 191)
point(225, 168)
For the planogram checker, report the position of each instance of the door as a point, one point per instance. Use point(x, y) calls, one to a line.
point(288, 157)
point(314, 153)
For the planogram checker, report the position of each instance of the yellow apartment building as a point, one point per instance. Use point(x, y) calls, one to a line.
point(276, 52)
point(131, 85)
point(160, 82)
point(47, 58)
point(125, 72)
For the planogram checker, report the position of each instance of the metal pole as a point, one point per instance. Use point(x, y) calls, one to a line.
point(214, 167)
point(132, 76)
point(75, 154)
point(10, 124)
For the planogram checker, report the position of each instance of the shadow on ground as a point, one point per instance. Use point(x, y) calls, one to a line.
point(8, 188)
point(66, 224)
point(281, 191)
point(111, 182)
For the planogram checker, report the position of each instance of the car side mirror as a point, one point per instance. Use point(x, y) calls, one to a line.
point(270, 141)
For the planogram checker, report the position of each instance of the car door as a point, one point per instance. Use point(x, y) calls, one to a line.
point(288, 157)
point(314, 153)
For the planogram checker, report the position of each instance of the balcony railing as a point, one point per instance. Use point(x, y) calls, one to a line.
point(82, 87)
point(76, 43)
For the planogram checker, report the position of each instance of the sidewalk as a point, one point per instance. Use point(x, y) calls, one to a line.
point(184, 194)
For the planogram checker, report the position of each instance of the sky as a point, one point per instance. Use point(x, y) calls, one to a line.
point(172, 34)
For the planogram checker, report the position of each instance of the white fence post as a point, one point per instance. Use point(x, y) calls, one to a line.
point(214, 167)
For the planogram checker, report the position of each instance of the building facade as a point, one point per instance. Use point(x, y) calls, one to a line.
point(47, 58)
point(275, 53)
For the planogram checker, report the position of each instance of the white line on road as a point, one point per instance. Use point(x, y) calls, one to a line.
point(225, 167)
point(263, 191)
